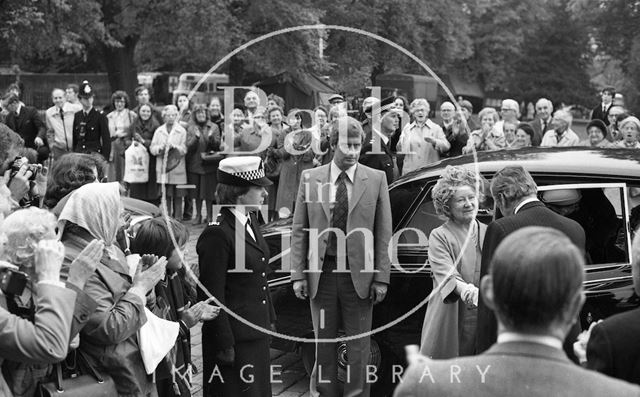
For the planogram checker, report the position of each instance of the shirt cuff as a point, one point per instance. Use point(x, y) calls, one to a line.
point(52, 282)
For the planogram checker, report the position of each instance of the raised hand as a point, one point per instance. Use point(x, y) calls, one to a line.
point(83, 267)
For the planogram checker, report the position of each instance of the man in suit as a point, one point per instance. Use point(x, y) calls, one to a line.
point(343, 276)
point(515, 195)
point(614, 346)
point(59, 119)
point(380, 157)
point(535, 289)
point(542, 122)
point(90, 127)
point(601, 111)
point(25, 121)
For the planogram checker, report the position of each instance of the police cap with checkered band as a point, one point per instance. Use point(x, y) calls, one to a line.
point(242, 171)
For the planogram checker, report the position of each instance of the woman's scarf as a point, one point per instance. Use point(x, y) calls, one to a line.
point(96, 207)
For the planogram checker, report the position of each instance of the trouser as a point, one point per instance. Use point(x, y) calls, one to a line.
point(341, 304)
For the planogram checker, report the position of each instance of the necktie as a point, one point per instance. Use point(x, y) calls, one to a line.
point(340, 213)
point(248, 228)
point(544, 126)
point(341, 208)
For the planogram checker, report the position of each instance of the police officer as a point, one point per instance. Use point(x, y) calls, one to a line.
point(90, 127)
point(236, 356)
point(382, 158)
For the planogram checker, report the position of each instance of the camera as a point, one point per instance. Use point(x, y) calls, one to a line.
point(18, 162)
point(12, 282)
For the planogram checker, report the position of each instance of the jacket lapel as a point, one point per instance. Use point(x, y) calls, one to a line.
point(324, 188)
point(232, 221)
point(359, 187)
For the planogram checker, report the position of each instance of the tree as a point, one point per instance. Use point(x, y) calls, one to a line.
point(556, 61)
point(614, 28)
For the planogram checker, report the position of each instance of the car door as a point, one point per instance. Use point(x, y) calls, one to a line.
point(603, 212)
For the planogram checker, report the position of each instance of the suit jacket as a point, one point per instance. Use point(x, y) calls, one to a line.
point(369, 209)
point(614, 347)
point(531, 214)
point(536, 124)
point(28, 125)
point(91, 133)
point(245, 293)
point(382, 161)
point(598, 113)
point(522, 369)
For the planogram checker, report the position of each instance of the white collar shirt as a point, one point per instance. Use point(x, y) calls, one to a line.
point(550, 341)
point(522, 204)
point(243, 219)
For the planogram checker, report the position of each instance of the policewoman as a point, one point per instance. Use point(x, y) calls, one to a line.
point(90, 126)
point(234, 258)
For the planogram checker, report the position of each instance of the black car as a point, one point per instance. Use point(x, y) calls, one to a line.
point(609, 182)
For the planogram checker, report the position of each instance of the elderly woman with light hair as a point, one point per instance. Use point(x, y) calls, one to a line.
point(630, 130)
point(421, 141)
point(488, 137)
point(449, 328)
point(561, 134)
point(171, 138)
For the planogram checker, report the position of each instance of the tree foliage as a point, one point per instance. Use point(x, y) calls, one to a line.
point(526, 48)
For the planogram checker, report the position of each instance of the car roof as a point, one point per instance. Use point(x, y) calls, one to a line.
point(567, 160)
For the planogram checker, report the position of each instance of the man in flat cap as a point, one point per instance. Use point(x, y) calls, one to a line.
point(339, 258)
point(90, 127)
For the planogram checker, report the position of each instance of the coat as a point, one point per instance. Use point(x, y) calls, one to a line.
point(178, 137)
point(379, 161)
point(531, 214)
point(369, 209)
point(110, 337)
point(614, 347)
point(522, 369)
point(443, 321)
point(202, 140)
point(27, 124)
point(46, 340)
point(246, 294)
point(23, 378)
point(91, 133)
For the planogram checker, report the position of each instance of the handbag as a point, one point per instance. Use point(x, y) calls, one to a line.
point(211, 157)
point(136, 164)
point(93, 384)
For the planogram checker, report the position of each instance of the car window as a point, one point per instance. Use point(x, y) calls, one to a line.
point(601, 210)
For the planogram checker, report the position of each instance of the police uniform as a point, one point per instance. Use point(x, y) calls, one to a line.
point(245, 293)
point(91, 129)
point(380, 161)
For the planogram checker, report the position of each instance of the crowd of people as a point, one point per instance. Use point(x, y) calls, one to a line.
point(90, 285)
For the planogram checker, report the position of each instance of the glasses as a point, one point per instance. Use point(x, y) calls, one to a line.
point(506, 110)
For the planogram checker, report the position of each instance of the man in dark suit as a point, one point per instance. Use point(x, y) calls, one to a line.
point(614, 346)
point(515, 194)
point(339, 259)
point(542, 122)
point(90, 127)
point(601, 111)
point(25, 121)
point(535, 289)
point(380, 157)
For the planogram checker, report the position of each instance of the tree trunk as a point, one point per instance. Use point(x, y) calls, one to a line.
point(121, 67)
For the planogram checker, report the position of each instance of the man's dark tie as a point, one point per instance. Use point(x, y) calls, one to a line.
point(340, 213)
point(61, 114)
point(544, 126)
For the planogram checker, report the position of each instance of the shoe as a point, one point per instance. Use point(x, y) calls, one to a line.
point(198, 220)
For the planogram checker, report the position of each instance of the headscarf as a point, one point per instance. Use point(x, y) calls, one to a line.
point(96, 207)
